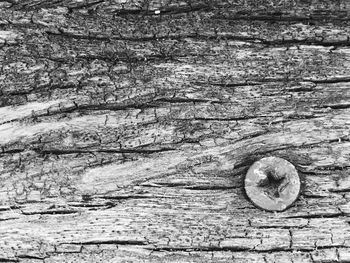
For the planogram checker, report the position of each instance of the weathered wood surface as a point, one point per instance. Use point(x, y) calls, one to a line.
point(126, 128)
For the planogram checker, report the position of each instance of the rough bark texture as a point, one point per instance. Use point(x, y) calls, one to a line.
point(126, 128)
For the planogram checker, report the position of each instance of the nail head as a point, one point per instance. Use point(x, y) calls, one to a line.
point(272, 184)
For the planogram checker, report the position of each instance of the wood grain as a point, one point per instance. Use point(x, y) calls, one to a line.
point(126, 128)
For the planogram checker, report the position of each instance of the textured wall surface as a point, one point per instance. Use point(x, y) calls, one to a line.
point(126, 128)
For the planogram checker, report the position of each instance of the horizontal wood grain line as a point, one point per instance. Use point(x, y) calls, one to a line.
point(196, 36)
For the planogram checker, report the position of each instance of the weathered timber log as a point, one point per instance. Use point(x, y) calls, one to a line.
point(126, 128)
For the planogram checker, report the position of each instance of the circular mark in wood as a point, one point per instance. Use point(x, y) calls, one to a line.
point(272, 184)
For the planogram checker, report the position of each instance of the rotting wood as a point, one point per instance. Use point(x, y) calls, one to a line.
point(126, 128)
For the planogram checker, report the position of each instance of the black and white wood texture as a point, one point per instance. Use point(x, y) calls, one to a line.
point(127, 126)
